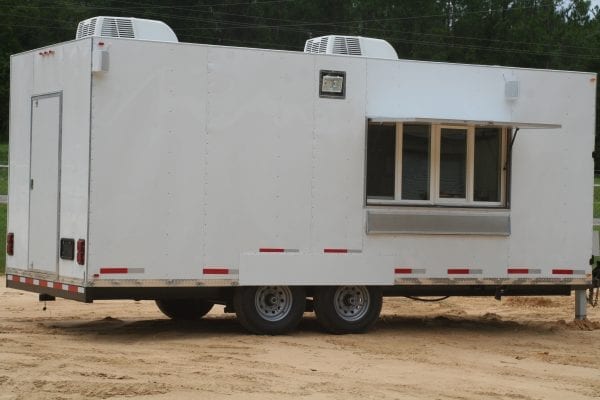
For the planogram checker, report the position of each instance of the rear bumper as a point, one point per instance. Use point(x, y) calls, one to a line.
point(53, 288)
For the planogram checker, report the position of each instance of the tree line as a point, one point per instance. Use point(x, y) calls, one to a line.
point(522, 33)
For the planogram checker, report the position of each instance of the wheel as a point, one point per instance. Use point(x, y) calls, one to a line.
point(347, 309)
point(270, 310)
point(184, 309)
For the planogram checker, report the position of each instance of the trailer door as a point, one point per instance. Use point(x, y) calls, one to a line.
point(44, 182)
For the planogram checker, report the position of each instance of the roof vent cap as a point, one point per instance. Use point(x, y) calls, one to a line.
point(350, 46)
point(129, 28)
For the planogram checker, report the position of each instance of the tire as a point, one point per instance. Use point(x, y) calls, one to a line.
point(269, 310)
point(347, 309)
point(184, 309)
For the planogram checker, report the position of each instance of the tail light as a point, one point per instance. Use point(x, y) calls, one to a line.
point(10, 244)
point(81, 252)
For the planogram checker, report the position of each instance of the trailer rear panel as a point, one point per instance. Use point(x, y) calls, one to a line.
point(49, 160)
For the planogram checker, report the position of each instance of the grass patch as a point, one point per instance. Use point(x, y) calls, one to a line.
point(3, 180)
point(4, 154)
point(596, 196)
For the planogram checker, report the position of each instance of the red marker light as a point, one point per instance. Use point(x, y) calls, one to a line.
point(81, 252)
point(10, 244)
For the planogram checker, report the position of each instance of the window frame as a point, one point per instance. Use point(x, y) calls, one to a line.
point(437, 199)
point(434, 170)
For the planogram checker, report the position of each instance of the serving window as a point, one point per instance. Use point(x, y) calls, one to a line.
point(436, 164)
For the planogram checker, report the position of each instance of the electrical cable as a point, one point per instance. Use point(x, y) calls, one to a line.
point(427, 300)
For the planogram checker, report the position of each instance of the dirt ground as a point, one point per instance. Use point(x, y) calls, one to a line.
point(461, 348)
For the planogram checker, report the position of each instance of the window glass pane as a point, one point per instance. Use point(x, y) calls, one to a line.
point(453, 163)
point(415, 162)
point(487, 164)
point(381, 161)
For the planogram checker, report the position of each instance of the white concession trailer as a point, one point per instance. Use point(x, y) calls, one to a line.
point(277, 181)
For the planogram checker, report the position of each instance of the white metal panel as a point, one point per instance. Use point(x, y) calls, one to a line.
point(437, 90)
point(249, 188)
point(74, 79)
point(438, 253)
point(551, 189)
point(148, 149)
point(44, 199)
point(63, 68)
point(316, 269)
point(552, 179)
point(260, 143)
point(337, 190)
point(21, 89)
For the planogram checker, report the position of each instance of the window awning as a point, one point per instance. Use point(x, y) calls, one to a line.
point(442, 121)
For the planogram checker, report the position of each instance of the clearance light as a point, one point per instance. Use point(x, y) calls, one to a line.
point(10, 244)
point(81, 252)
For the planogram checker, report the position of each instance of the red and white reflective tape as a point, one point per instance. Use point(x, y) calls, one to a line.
point(43, 283)
point(219, 271)
point(523, 271)
point(566, 271)
point(121, 270)
point(464, 271)
point(340, 251)
point(408, 271)
point(277, 250)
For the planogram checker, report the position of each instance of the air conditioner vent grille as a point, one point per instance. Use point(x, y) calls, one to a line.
point(317, 45)
point(312, 46)
point(339, 45)
point(353, 46)
point(323, 45)
point(86, 28)
point(346, 45)
point(117, 27)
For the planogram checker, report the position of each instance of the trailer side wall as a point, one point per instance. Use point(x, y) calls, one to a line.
point(203, 155)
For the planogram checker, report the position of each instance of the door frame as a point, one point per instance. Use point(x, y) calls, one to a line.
point(58, 94)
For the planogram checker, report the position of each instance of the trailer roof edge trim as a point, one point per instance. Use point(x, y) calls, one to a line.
point(504, 124)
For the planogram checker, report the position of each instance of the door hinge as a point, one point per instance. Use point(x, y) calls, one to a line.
point(31, 184)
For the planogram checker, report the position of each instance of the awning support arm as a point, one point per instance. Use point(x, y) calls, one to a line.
point(514, 136)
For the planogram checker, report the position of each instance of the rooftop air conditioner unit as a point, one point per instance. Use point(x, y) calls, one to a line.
point(351, 46)
point(130, 28)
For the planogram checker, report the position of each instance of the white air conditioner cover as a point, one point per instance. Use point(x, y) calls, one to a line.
point(129, 28)
point(350, 46)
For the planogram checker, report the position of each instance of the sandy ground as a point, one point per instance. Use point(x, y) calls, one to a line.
point(475, 348)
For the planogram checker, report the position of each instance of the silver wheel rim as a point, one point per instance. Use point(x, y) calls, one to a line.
point(351, 302)
point(273, 303)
